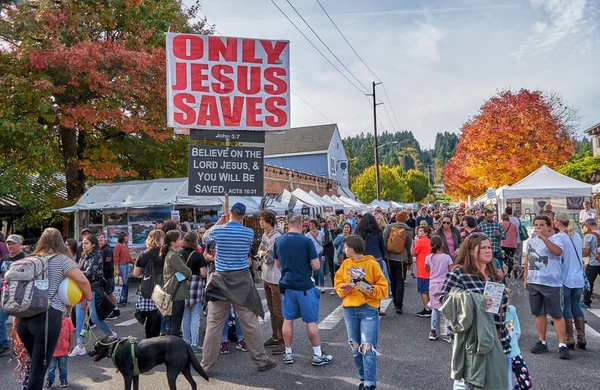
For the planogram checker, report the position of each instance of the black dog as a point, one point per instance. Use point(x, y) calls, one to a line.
point(172, 351)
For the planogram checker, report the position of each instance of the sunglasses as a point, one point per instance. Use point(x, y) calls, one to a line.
point(445, 223)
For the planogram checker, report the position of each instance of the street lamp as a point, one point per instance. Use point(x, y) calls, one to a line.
point(387, 143)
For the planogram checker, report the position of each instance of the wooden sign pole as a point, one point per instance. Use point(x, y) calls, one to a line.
point(226, 203)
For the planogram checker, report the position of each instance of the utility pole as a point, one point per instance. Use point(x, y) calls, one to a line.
point(375, 104)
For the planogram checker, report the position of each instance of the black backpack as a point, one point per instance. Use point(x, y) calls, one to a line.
point(149, 278)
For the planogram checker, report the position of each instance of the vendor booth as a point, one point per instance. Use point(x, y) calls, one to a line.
point(542, 187)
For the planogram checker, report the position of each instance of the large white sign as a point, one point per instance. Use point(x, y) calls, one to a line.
point(227, 83)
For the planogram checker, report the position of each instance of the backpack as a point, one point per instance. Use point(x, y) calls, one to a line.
point(396, 240)
point(598, 238)
point(148, 280)
point(26, 287)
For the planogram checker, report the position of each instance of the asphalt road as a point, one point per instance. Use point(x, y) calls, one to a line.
point(408, 359)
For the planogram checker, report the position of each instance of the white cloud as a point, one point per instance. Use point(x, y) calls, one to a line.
point(422, 43)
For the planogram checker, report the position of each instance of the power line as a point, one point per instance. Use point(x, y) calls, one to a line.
point(316, 48)
point(336, 27)
point(324, 44)
point(378, 120)
point(391, 106)
point(310, 105)
point(389, 117)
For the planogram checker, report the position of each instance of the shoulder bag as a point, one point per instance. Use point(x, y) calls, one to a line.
point(164, 300)
point(586, 282)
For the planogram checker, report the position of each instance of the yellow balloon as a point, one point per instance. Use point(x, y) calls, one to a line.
point(69, 292)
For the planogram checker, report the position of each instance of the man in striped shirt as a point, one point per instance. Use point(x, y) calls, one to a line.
point(233, 243)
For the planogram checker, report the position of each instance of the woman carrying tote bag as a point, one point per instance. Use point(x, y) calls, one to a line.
point(176, 274)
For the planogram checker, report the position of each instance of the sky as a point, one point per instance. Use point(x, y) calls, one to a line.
point(439, 60)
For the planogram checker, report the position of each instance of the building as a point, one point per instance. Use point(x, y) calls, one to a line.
point(315, 150)
point(278, 179)
point(594, 133)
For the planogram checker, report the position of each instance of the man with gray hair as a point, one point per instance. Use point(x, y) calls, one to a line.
point(591, 239)
point(587, 213)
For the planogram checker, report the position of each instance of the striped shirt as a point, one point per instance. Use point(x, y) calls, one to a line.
point(233, 242)
point(58, 266)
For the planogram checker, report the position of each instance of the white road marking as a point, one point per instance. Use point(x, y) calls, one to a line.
point(595, 311)
point(591, 332)
point(332, 319)
point(128, 322)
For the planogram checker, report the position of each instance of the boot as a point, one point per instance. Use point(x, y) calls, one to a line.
point(569, 340)
point(580, 327)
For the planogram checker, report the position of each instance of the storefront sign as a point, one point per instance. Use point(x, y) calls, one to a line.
point(227, 83)
point(225, 170)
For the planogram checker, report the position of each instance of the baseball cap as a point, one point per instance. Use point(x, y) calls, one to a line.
point(85, 230)
point(14, 238)
point(239, 208)
point(160, 220)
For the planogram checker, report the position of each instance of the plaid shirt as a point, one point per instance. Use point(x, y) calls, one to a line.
point(488, 229)
point(473, 283)
point(196, 285)
point(145, 304)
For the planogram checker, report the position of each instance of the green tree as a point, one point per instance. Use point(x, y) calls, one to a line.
point(583, 168)
point(82, 95)
point(418, 183)
point(392, 186)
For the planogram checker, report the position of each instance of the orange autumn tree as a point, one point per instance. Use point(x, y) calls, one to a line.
point(512, 135)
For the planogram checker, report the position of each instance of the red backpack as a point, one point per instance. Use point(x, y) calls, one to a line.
point(597, 251)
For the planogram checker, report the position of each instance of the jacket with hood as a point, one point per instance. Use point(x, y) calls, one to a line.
point(406, 255)
point(367, 268)
point(477, 355)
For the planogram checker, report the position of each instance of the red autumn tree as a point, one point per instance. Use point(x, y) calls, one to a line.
point(512, 135)
point(82, 93)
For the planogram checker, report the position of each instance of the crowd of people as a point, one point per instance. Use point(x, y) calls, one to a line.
point(454, 254)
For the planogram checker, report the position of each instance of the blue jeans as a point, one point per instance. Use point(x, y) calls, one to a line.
point(191, 323)
point(102, 325)
point(362, 325)
point(384, 269)
point(238, 328)
point(571, 297)
point(164, 322)
point(124, 271)
point(319, 275)
point(62, 362)
point(4, 341)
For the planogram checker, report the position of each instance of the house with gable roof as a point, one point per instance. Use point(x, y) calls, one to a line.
point(594, 133)
point(317, 150)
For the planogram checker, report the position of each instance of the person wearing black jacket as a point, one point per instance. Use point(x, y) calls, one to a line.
point(329, 234)
point(369, 230)
point(109, 274)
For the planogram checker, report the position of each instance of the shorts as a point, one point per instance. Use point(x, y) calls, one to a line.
point(110, 286)
point(296, 304)
point(545, 300)
point(423, 285)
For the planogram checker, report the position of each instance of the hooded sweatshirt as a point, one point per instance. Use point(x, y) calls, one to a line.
point(367, 268)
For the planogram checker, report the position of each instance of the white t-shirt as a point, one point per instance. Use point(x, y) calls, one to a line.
point(590, 242)
point(544, 268)
point(517, 223)
point(317, 242)
point(583, 215)
point(572, 271)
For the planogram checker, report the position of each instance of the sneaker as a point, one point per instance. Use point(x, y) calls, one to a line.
point(412, 275)
point(361, 386)
point(196, 348)
point(563, 353)
point(447, 338)
point(224, 347)
point(64, 384)
point(114, 335)
point(288, 358)
point(424, 313)
point(332, 292)
point(49, 385)
point(268, 365)
point(584, 305)
point(398, 310)
point(77, 351)
point(539, 348)
point(271, 343)
point(433, 335)
point(241, 345)
point(322, 290)
point(321, 360)
point(114, 315)
point(279, 350)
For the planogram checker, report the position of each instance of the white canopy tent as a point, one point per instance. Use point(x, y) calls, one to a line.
point(546, 182)
point(339, 205)
point(324, 208)
point(330, 204)
point(358, 206)
point(297, 206)
point(378, 203)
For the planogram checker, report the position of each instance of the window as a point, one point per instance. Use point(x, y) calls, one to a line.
point(598, 141)
point(332, 165)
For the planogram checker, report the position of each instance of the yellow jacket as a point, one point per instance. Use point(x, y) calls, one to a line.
point(369, 269)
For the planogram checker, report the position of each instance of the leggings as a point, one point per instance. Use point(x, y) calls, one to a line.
point(152, 325)
point(176, 318)
point(31, 331)
point(520, 370)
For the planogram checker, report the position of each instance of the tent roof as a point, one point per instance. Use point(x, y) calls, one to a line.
point(545, 182)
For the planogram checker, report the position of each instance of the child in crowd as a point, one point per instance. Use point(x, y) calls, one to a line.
point(420, 250)
point(517, 363)
point(438, 264)
point(66, 342)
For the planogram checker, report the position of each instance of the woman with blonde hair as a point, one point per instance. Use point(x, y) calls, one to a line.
point(573, 277)
point(148, 264)
point(38, 336)
point(381, 221)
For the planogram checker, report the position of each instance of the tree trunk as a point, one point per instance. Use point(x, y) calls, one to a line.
point(71, 150)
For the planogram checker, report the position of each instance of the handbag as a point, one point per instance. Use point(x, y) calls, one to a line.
point(586, 282)
point(164, 300)
point(523, 232)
